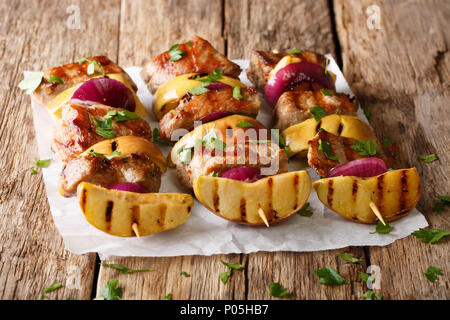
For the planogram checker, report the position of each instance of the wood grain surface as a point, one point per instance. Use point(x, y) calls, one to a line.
point(401, 70)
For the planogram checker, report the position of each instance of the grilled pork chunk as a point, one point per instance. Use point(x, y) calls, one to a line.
point(76, 131)
point(192, 108)
point(339, 147)
point(199, 57)
point(206, 162)
point(72, 74)
point(294, 106)
point(263, 62)
point(97, 169)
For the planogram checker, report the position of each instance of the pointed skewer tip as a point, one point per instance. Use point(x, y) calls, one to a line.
point(377, 212)
point(263, 217)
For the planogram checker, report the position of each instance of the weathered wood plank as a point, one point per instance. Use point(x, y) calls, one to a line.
point(402, 71)
point(146, 29)
point(34, 36)
point(282, 25)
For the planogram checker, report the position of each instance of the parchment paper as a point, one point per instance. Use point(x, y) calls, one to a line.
point(204, 233)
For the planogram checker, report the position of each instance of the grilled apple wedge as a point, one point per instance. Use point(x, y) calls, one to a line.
point(123, 213)
point(395, 193)
point(278, 196)
point(297, 136)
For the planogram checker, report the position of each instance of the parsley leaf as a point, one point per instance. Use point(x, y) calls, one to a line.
point(33, 171)
point(386, 142)
point(189, 43)
point(295, 51)
point(327, 92)
point(277, 290)
point(175, 53)
point(366, 148)
point(124, 269)
point(432, 273)
point(347, 257)
point(445, 199)
point(91, 66)
point(440, 206)
point(224, 276)
point(318, 112)
point(325, 146)
point(237, 93)
point(52, 79)
point(365, 276)
point(184, 154)
point(330, 276)
point(366, 110)
point(370, 295)
point(42, 163)
point(431, 236)
point(428, 158)
point(210, 140)
point(198, 90)
point(305, 212)
point(185, 274)
point(168, 296)
point(104, 128)
point(156, 135)
point(232, 265)
point(31, 82)
point(120, 115)
point(244, 124)
point(53, 287)
point(111, 291)
point(327, 63)
point(215, 76)
point(383, 229)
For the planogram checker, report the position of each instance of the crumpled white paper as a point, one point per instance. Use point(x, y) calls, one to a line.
point(205, 233)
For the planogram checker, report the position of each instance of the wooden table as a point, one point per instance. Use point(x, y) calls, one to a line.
point(398, 67)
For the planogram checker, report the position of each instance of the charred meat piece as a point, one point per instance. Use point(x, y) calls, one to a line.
point(97, 169)
point(263, 62)
point(339, 147)
point(294, 106)
point(199, 57)
point(194, 107)
point(207, 161)
point(75, 73)
point(77, 131)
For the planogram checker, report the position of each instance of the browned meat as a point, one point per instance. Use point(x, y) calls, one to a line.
point(263, 62)
point(199, 57)
point(137, 168)
point(72, 74)
point(193, 108)
point(206, 161)
point(76, 131)
point(339, 147)
point(294, 106)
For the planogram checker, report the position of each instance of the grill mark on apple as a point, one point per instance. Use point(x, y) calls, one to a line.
point(296, 186)
point(136, 215)
point(340, 128)
point(162, 215)
point(216, 199)
point(270, 215)
point(318, 126)
point(330, 193)
point(380, 194)
point(242, 208)
point(355, 189)
point(108, 214)
point(403, 201)
point(83, 200)
point(114, 146)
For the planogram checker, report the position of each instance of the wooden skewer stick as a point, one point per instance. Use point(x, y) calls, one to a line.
point(377, 212)
point(263, 216)
point(134, 226)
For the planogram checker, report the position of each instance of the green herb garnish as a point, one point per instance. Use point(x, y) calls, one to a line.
point(366, 148)
point(215, 76)
point(277, 290)
point(104, 128)
point(237, 93)
point(31, 82)
point(347, 257)
point(156, 135)
point(383, 229)
point(168, 296)
point(53, 79)
point(175, 53)
point(189, 43)
point(365, 276)
point(440, 206)
point(325, 146)
point(42, 163)
point(198, 90)
point(210, 140)
point(111, 291)
point(33, 171)
point(431, 236)
point(432, 273)
point(327, 63)
point(318, 112)
point(386, 142)
point(366, 110)
point(224, 276)
point(119, 116)
point(327, 92)
point(305, 212)
point(185, 274)
point(428, 158)
point(370, 295)
point(123, 269)
point(184, 154)
point(330, 276)
point(53, 287)
point(244, 124)
point(91, 66)
point(295, 51)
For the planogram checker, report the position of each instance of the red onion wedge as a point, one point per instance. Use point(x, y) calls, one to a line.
point(246, 174)
point(129, 186)
point(214, 116)
point(293, 74)
point(364, 168)
point(217, 86)
point(105, 91)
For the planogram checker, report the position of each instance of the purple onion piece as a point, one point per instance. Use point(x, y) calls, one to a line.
point(364, 168)
point(129, 186)
point(245, 174)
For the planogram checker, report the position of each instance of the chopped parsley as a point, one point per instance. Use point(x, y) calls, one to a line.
point(123, 269)
point(53, 287)
point(237, 93)
point(304, 211)
point(365, 276)
point(175, 53)
point(330, 276)
point(201, 89)
point(325, 146)
point(156, 136)
point(120, 115)
point(432, 273)
point(383, 229)
point(33, 171)
point(366, 110)
point(327, 92)
point(277, 290)
point(198, 90)
point(386, 142)
point(244, 124)
point(168, 296)
point(431, 236)
point(42, 163)
point(53, 79)
point(210, 140)
point(370, 295)
point(31, 82)
point(318, 112)
point(295, 51)
point(428, 158)
point(111, 291)
point(104, 128)
point(327, 64)
point(189, 43)
point(366, 148)
point(185, 154)
point(185, 274)
point(224, 276)
point(91, 66)
point(347, 257)
point(440, 206)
